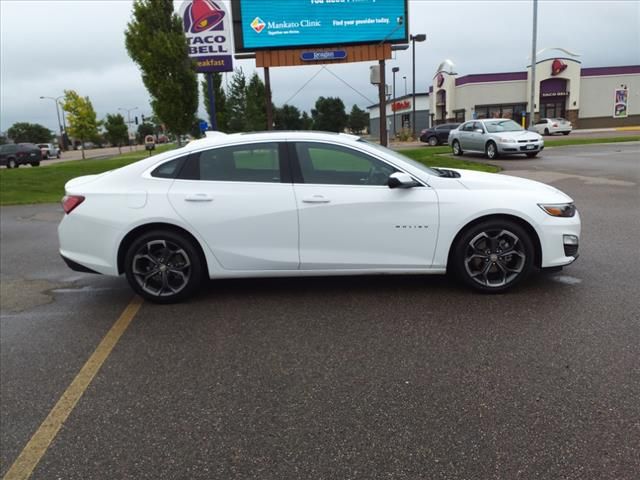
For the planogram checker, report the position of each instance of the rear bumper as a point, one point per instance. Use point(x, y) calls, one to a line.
point(76, 267)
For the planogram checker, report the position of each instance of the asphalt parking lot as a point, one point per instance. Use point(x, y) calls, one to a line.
point(370, 377)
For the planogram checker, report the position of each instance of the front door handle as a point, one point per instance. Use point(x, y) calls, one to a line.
point(198, 197)
point(316, 199)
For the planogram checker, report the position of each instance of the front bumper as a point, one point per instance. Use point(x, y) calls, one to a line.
point(517, 148)
point(560, 241)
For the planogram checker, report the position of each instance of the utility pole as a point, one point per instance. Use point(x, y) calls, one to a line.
point(269, 105)
point(55, 100)
point(382, 86)
point(532, 105)
point(213, 124)
point(394, 70)
point(421, 37)
point(129, 110)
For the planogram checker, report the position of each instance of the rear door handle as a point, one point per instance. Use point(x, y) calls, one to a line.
point(198, 197)
point(316, 199)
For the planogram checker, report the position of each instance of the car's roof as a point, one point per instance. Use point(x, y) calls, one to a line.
point(220, 138)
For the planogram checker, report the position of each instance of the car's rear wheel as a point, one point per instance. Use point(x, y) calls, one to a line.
point(164, 266)
point(35, 164)
point(493, 256)
point(491, 150)
point(455, 146)
point(432, 141)
point(566, 133)
point(546, 131)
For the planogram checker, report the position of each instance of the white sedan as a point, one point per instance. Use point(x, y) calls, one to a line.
point(304, 203)
point(549, 126)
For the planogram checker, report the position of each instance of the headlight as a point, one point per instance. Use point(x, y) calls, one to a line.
point(507, 140)
point(559, 209)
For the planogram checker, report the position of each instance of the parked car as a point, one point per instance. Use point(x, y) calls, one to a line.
point(495, 137)
point(15, 154)
point(549, 126)
point(49, 150)
point(280, 204)
point(437, 135)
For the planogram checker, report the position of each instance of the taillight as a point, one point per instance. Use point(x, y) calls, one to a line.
point(555, 125)
point(69, 202)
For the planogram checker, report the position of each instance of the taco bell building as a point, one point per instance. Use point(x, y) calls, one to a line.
point(593, 97)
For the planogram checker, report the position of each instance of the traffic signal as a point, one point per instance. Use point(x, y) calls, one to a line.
point(142, 117)
point(136, 119)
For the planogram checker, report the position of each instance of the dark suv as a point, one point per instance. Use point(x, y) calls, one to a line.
point(437, 135)
point(16, 154)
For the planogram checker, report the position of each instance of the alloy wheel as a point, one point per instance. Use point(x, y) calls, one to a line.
point(495, 258)
point(161, 268)
point(491, 150)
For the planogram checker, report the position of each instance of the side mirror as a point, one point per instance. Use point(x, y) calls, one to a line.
point(479, 130)
point(401, 180)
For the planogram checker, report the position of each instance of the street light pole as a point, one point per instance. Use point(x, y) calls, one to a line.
point(55, 100)
point(532, 98)
point(393, 102)
point(421, 37)
point(128, 110)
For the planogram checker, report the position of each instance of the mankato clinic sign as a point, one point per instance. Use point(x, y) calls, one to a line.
point(207, 26)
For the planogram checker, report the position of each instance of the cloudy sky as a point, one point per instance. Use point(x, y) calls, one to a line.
point(48, 46)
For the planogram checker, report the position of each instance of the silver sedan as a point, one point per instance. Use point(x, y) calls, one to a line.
point(495, 137)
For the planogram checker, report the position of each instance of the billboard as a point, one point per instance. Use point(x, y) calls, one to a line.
point(278, 24)
point(207, 26)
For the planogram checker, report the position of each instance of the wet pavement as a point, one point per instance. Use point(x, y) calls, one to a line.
point(367, 377)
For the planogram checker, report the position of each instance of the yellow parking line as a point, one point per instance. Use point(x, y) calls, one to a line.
point(40, 441)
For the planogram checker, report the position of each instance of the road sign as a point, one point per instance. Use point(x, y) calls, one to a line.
point(323, 56)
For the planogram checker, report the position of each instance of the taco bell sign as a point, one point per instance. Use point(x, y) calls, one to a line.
point(207, 26)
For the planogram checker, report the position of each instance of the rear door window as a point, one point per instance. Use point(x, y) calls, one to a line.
point(257, 162)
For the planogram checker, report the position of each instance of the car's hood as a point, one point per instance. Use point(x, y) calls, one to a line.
point(519, 135)
point(492, 181)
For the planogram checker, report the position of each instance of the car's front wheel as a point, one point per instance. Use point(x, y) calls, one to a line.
point(164, 266)
point(432, 141)
point(532, 154)
point(493, 256)
point(491, 151)
point(11, 163)
point(455, 146)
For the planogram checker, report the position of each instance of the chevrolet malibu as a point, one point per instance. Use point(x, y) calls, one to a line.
point(495, 137)
point(305, 203)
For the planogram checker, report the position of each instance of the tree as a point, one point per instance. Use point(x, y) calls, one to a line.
point(24, 132)
point(220, 101)
point(307, 121)
point(237, 103)
point(116, 130)
point(358, 120)
point(329, 115)
point(145, 129)
point(81, 117)
point(3, 139)
point(287, 117)
point(156, 42)
point(256, 110)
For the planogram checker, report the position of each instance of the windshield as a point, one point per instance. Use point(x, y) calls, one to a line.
point(399, 156)
point(497, 126)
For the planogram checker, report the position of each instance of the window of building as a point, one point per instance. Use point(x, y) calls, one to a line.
point(511, 110)
point(459, 115)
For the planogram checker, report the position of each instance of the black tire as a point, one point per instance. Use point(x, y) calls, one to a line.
point(35, 164)
point(546, 132)
point(566, 133)
point(432, 141)
point(58, 156)
point(532, 154)
point(457, 149)
point(11, 163)
point(178, 264)
point(493, 272)
point(491, 150)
